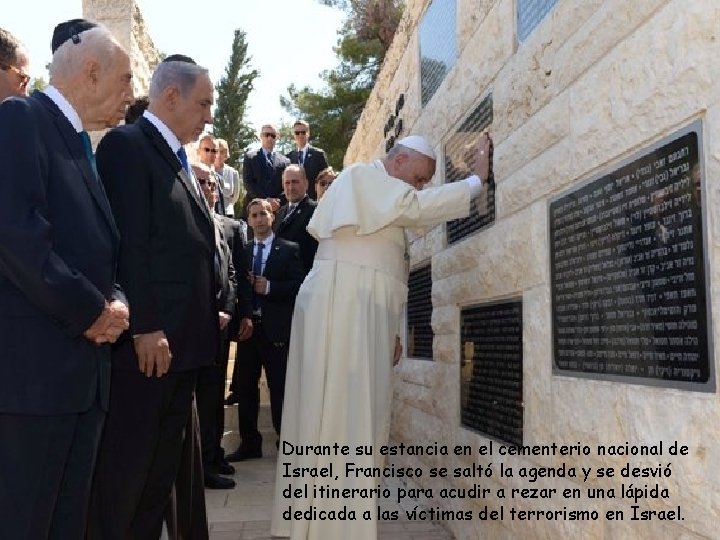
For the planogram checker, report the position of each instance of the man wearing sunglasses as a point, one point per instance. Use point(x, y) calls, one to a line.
point(207, 151)
point(13, 66)
point(312, 159)
point(262, 171)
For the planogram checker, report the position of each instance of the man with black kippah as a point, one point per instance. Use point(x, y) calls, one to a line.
point(70, 30)
point(59, 304)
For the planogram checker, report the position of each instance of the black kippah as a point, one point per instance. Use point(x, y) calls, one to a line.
point(69, 30)
point(179, 58)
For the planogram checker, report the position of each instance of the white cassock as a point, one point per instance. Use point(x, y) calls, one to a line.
point(339, 375)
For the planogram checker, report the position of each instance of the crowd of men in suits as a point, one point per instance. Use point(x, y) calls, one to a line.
point(124, 275)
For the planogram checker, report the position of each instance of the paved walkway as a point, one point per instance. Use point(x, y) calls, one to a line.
point(244, 512)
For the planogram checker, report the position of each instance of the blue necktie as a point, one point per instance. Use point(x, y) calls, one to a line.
point(300, 157)
point(87, 145)
point(182, 156)
point(257, 271)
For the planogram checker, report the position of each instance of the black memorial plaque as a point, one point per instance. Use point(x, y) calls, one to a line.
point(459, 158)
point(491, 370)
point(627, 271)
point(419, 314)
point(529, 15)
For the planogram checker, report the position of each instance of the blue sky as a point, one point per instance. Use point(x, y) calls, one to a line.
point(290, 41)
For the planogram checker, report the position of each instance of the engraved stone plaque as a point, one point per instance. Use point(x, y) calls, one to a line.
point(529, 15)
point(419, 313)
point(491, 370)
point(628, 271)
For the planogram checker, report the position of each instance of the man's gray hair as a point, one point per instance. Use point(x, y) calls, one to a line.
point(295, 167)
point(69, 59)
point(206, 135)
point(183, 75)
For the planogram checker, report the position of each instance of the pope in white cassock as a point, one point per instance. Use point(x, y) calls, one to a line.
point(345, 331)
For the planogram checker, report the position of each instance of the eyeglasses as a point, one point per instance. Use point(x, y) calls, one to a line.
point(325, 183)
point(272, 135)
point(210, 183)
point(24, 77)
point(299, 132)
point(211, 150)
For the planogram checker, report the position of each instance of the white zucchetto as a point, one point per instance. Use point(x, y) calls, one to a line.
point(419, 144)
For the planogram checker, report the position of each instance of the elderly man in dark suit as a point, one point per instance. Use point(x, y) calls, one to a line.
point(292, 219)
point(262, 171)
point(277, 273)
point(167, 269)
point(59, 304)
point(312, 159)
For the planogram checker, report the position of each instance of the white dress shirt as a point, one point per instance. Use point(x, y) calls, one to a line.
point(65, 107)
point(267, 244)
point(174, 143)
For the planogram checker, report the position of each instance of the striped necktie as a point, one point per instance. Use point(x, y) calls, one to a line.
point(290, 211)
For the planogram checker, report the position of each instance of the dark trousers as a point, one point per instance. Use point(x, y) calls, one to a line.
point(186, 515)
point(253, 355)
point(140, 454)
point(210, 393)
point(46, 466)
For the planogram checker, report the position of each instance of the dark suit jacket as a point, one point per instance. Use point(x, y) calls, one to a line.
point(58, 255)
point(220, 204)
point(260, 179)
point(294, 228)
point(225, 276)
point(167, 263)
point(284, 271)
point(314, 162)
point(236, 240)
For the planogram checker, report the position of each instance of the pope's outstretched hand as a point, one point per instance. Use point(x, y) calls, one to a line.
point(483, 167)
point(484, 158)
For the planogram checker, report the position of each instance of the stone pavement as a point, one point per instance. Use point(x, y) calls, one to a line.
point(244, 512)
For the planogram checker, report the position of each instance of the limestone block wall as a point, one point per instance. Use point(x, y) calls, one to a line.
point(124, 19)
point(596, 82)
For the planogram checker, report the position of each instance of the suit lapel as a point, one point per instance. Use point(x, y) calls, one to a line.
point(301, 207)
point(189, 181)
point(272, 255)
point(280, 223)
point(262, 162)
point(166, 152)
point(77, 151)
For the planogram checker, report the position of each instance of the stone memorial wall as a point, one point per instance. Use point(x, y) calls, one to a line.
point(605, 230)
point(124, 19)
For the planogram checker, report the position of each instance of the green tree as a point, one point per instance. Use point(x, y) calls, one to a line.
point(37, 84)
point(333, 111)
point(233, 91)
point(285, 141)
